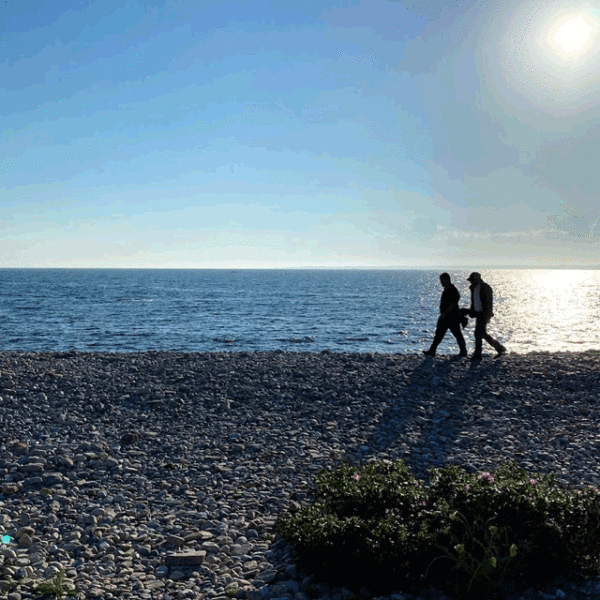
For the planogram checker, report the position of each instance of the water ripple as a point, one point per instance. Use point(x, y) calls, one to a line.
point(207, 310)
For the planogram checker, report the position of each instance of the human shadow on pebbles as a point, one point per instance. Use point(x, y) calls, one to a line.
point(538, 409)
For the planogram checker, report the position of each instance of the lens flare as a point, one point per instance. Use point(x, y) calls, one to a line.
point(6, 539)
point(570, 37)
point(573, 35)
point(540, 54)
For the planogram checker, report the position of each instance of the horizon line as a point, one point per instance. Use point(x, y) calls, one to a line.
point(310, 268)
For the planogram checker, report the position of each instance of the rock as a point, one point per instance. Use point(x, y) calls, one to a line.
point(177, 575)
point(9, 488)
point(51, 571)
point(174, 540)
point(24, 541)
point(187, 559)
point(198, 535)
point(52, 478)
point(65, 461)
point(32, 468)
point(268, 576)
point(18, 448)
point(130, 438)
point(211, 547)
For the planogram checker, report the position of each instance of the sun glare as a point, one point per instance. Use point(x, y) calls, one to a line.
point(548, 53)
point(573, 35)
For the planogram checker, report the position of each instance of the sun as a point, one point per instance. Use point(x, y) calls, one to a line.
point(573, 35)
point(545, 54)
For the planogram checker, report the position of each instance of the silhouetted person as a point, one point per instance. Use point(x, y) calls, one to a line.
point(482, 304)
point(449, 318)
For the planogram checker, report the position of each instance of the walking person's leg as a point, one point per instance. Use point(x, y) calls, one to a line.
point(457, 333)
point(479, 332)
point(440, 332)
point(495, 344)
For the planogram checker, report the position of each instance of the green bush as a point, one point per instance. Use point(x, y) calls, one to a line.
point(57, 587)
point(473, 536)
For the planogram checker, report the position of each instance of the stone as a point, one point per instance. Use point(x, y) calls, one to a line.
point(25, 530)
point(52, 478)
point(177, 575)
point(198, 535)
point(65, 461)
point(174, 540)
point(130, 438)
point(18, 448)
point(268, 576)
point(187, 559)
point(211, 547)
point(32, 468)
point(51, 571)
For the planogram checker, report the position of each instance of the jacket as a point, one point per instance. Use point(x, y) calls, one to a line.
point(487, 300)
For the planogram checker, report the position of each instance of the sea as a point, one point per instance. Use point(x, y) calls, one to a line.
point(244, 310)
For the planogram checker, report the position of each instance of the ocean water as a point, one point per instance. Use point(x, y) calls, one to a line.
point(386, 311)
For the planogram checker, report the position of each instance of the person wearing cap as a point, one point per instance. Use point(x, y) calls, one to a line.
point(449, 317)
point(482, 310)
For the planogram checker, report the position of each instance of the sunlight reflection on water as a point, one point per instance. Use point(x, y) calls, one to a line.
point(548, 310)
point(388, 311)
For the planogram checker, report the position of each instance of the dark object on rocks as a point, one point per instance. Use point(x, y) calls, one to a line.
point(130, 438)
point(18, 448)
point(187, 559)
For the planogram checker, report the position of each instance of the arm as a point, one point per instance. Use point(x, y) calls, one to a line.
point(448, 311)
point(488, 302)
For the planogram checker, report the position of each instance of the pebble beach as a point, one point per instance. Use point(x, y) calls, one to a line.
point(160, 475)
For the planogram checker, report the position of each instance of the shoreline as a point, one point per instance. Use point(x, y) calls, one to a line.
point(488, 353)
point(112, 463)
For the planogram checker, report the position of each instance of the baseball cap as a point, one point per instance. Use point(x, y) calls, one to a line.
point(474, 276)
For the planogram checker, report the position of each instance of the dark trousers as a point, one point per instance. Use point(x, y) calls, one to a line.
point(481, 334)
point(440, 331)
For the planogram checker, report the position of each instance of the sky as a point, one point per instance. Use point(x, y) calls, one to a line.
point(281, 134)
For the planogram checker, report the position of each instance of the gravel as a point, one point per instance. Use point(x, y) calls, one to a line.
point(161, 474)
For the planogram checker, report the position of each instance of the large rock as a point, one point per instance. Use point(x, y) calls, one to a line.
point(185, 559)
point(9, 488)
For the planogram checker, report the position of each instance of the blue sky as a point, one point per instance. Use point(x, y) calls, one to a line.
point(268, 133)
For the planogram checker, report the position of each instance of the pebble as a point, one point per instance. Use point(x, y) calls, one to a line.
point(161, 474)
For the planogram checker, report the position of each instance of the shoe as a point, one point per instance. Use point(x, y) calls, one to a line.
point(475, 357)
point(428, 353)
point(500, 351)
point(462, 354)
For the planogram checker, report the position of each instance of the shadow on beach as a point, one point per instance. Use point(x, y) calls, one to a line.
point(537, 409)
